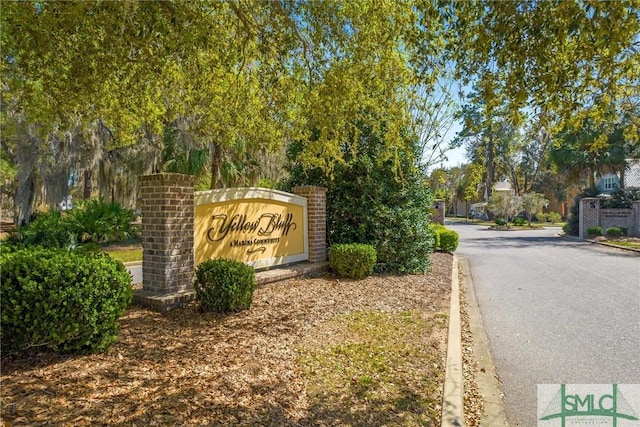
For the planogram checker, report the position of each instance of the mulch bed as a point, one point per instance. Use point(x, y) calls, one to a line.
point(190, 368)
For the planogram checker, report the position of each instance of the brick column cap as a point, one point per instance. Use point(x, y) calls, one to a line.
point(167, 176)
point(310, 188)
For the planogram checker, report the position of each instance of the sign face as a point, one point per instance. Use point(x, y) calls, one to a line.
point(257, 226)
point(615, 405)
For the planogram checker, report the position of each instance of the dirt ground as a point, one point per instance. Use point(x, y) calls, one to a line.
point(190, 368)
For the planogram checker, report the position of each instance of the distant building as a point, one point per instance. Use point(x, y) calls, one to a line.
point(610, 182)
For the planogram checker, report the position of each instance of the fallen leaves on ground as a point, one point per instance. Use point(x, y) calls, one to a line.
point(254, 367)
point(473, 400)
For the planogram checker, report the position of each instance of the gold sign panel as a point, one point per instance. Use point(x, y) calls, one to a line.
point(257, 226)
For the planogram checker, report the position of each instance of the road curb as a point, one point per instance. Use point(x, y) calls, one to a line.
point(453, 394)
point(486, 377)
point(133, 264)
point(565, 236)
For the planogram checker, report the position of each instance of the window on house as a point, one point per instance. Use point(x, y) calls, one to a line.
point(609, 183)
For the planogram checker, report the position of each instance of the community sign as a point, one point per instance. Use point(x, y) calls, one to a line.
point(258, 226)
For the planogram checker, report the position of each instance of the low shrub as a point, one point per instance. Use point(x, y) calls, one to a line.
point(91, 221)
point(49, 229)
point(99, 221)
point(500, 222)
point(594, 230)
point(60, 300)
point(624, 230)
point(449, 240)
point(554, 217)
point(352, 260)
point(519, 221)
point(542, 217)
point(224, 286)
point(436, 229)
point(613, 231)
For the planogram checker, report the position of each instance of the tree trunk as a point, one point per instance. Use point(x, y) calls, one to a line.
point(23, 200)
point(215, 151)
point(26, 158)
point(86, 192)
point(491, 168)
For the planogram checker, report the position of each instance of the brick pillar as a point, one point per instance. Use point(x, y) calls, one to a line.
point(438, 211)
point(168, 210)
point(589, 214)
point(316, 220)
point(635, 228)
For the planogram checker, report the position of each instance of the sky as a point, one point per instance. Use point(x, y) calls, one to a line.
point(455, 157)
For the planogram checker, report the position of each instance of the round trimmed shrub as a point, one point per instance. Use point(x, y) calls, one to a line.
point(595, 230)
point(436, 228)
point(352, 260)
point(449, 240)
point(64, 301)
point(500, 222)
point(224, 285)
point(614, 231)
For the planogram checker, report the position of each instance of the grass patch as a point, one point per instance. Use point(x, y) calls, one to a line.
point(129, 250)
point(377, 368)
point(624, 244)
point(126, 255)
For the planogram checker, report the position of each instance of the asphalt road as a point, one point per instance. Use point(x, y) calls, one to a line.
point(135, 269)
point(554, 310)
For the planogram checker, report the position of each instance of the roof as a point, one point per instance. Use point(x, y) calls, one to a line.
point(502, 186)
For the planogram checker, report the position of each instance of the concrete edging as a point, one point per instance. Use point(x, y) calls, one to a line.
point(486, 377)
point(453, 393)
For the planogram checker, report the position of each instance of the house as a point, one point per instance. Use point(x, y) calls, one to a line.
point(610, 182)
point(479, 210)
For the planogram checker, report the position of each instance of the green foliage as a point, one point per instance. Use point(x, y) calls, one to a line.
point(98, 221)
point(500, 222)
point(468, 186)
point(622, 198)
point(224, 286)
point(352, 260)
point(532, 203)
point(519, 221)
point(624, 230)
point(436, 229)
point(92, 221)
point(505, 205)
point(613, 231)
point(49, 229)
point(448, 240)
point(594, 230)
point(376, 200)
point(554, 217)
point(60, 300)
point(542, 217)
point(444, 239)
point(550, 54)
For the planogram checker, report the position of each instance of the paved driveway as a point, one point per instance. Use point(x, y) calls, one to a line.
point(555, 311)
